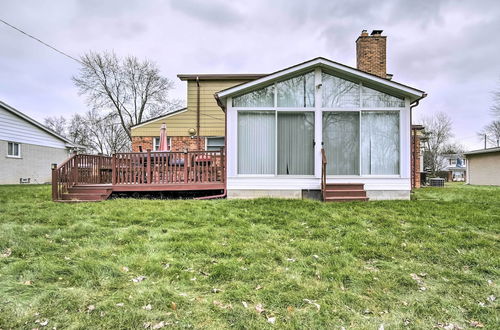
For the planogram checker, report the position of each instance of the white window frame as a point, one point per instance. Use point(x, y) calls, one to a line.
point(318, 111)
point(18, 150)
point(214, 137)
point(157, 138)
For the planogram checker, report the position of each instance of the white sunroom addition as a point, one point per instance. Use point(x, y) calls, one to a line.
point(277, 126)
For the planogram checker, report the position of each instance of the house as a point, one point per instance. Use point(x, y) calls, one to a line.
point(417, 156)
point(317, 129)
point(483, 167)
point(199, 126)
point(455, 166)
point(322, 126)
point(28, 148)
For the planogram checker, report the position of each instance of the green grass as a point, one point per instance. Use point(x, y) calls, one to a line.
point(354, 260)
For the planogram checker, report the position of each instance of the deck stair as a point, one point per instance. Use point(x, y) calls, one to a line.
point(89, 192)
point(344, 192)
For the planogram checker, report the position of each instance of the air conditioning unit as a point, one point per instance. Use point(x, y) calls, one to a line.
point(24, 180)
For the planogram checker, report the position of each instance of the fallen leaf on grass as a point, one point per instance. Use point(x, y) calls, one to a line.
point(6, 253)
point(315, 256)
point(244, 303)
point(148, 307)
point(492, 298)
point(27, 282)
point(448, 326)
point(125, 269)
point(158, 325)
point(290, 259)
point(120, 304)
point(166, 266)
point(381, 327)
point(476, 324)
point(173, 306)
point(138, 279)
point(312, 302)
point(258, 287)
point(271, 320)
point(90, 308)
point(215, 290)
point(42, 323)
point(259, 308)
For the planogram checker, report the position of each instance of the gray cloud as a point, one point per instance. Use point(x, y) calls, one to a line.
point(447, 48)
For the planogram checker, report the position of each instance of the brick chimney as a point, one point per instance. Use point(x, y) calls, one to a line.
point(371, 53)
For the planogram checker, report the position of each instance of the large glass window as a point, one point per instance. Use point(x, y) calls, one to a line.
point(256, 142)
point(380, 142)
point(297, 92)
point(295, 143)
point(260, 98)
point(372, 98)
point(341, 142)
point(339, 93)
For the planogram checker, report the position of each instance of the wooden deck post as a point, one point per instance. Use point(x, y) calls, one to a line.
point(148, 167)
point(185, 166)
point(113, 170)
point(54, 182)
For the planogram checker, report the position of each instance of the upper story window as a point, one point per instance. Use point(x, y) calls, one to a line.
point(263, 97)
point(372, 98)
point(296, 92)
point(13, 149)
point(339, 93)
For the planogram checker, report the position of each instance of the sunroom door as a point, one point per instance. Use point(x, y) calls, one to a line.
point(295, 142)
point(341, 142)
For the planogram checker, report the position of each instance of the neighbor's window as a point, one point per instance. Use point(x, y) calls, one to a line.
point(13, 149)
point(260, 98)
point(215, 143)
point(380, 142)
point(296, 92)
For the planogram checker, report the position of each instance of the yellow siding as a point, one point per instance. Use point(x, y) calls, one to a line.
point(211, 115)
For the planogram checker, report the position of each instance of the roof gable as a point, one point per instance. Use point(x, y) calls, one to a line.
point(333, 67)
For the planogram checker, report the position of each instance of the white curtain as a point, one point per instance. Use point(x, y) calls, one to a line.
point(296, 143)
point(256, 142)
point(341, 142)
point(380, 142)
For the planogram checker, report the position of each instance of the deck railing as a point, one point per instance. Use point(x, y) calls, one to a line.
point(140, 168)
point(323, 172)
point(80, 169)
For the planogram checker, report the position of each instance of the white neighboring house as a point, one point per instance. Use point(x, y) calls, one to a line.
point(278, 124)
point(27, 148)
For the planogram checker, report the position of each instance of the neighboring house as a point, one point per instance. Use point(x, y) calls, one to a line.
point(278, 124)
point(417, 155)
point(455, 165)
point(200, 126)
point(483, 167)
point(27, 148)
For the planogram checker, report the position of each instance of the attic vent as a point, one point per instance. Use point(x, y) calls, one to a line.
point(24, 180)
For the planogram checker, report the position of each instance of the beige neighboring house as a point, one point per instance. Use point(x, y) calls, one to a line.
point(27, 148)
point(483, 167)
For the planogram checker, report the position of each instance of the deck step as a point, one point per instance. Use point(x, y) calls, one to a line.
point(345, 193)
point(345, 199)
point(87, 190)
point(84, 197)
point(345, 186)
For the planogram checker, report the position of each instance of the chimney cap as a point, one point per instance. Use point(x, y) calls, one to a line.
point(364, 33)
point(376, 32)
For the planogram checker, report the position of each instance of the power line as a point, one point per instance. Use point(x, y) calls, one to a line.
point(40, 41)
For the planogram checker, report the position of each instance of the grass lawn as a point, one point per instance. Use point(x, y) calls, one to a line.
point(433, 261)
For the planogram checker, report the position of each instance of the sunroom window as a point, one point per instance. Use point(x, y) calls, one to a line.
point(372, 98)
point(338, 92)
point(380, 142)
point(263, 97)
point(296, 92)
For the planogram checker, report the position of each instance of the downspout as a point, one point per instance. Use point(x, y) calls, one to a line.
point(224, 193)
point(198, 111)
point(413, 154)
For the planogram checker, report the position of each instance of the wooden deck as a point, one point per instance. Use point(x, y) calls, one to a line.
point(92, 177)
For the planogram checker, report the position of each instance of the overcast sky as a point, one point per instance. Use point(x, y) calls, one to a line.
point(450, 49)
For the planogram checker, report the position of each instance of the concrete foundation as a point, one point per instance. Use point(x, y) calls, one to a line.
point(374, 195)
point(251, 193)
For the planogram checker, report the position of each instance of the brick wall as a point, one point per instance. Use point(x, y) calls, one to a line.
point(179, 143)
point(371, 53)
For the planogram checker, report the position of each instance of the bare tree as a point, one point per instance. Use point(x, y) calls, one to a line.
point(491, 132)
point(438, 129)
point(129, 88)
point(495, 108)
point(57, 124)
